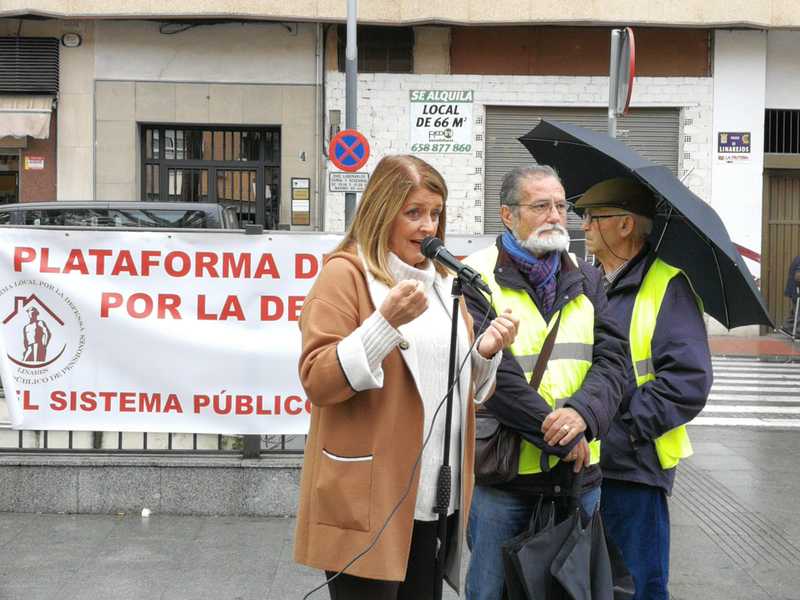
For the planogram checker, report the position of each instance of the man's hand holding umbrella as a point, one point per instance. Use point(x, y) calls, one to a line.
point(561, 427)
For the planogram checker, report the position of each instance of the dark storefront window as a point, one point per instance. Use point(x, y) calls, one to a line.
point(231, 165)
point(9, 177)
point(380, 49)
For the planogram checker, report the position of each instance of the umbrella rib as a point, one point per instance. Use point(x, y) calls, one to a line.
point(664, 231)
point(719, 271)
point(721, 287)
point(556, 142)
point(713, 248)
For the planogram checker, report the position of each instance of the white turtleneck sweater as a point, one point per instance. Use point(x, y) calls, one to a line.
point(429, 337)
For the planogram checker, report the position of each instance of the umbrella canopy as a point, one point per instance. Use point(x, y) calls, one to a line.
point(687, 232)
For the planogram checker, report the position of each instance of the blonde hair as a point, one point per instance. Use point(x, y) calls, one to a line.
point(394, 178)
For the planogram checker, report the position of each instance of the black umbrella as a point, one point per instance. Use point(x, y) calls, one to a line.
point(687, 233)
point(568, 560)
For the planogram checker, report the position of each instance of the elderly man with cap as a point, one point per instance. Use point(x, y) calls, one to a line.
point(669, 377)
point(566, 410)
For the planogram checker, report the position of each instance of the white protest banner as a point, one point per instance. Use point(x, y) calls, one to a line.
point(155, 331)
point(184, 332)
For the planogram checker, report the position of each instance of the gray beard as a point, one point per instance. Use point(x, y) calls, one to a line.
point(539, 246)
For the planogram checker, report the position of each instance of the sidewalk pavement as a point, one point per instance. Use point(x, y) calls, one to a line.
point(773, 346)
point(736, 535)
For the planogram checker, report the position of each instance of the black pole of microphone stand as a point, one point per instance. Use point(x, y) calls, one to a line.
point(444, 484)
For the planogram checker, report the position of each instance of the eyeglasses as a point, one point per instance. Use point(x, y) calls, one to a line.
point(587, 218)
point(541, 208)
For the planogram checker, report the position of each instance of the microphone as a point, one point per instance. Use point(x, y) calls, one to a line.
point(433, 248)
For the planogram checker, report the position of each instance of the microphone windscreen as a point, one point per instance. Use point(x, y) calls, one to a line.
point(430, 245)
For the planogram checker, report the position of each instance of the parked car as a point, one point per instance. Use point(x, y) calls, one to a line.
point(93, 213)
point(149, 215)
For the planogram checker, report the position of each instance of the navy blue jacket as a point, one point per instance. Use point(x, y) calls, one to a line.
point(682, 362)
point(518, 406)
point(791, 286)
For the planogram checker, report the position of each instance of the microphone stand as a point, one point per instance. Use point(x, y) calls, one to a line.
point(444, 483)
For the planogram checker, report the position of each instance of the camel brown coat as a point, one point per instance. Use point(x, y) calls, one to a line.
point(362, 446)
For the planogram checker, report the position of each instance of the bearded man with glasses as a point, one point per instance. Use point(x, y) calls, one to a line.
point(669, 377)
point(560, 419)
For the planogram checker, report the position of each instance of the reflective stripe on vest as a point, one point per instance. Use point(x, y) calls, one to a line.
point(674, 445)
point(572, 351)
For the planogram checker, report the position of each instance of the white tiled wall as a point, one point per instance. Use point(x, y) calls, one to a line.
point(383, 118)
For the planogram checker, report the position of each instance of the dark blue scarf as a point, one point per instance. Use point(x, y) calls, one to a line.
point(540, 272)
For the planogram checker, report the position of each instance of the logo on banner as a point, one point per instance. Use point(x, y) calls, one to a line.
point(43, 331)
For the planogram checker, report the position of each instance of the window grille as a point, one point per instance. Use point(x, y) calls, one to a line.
point(782, 131)
point(235, 166)
point(380, 49)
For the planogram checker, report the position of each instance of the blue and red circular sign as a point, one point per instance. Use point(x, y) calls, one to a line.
point(349, 150)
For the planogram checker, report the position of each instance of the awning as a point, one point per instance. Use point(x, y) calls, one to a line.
point(21, 116)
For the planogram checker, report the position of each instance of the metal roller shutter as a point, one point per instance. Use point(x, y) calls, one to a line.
point(780, 237)
point(29, 65)
point(653, 132)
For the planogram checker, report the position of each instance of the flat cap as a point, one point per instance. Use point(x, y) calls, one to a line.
point(620, 192)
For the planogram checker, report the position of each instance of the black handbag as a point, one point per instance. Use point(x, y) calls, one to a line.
point(496, 450)
point(497, 446)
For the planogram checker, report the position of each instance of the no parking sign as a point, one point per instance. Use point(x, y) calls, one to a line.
point(349, 150)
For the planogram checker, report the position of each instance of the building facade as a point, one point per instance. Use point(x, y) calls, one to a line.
point(219, 112)
point(237, 103)
point(757, 194)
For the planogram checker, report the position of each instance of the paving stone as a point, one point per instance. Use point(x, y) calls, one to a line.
point(716, 508)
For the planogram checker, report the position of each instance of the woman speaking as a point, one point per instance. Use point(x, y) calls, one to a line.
point(374, 363)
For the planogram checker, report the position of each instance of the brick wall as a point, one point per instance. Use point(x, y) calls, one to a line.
point(383, 118)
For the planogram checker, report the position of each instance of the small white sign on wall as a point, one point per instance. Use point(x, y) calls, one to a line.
point(440, 121)
point(733, 146)
point(339, 181)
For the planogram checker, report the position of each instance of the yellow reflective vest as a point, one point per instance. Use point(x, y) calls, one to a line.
point(674, 445)
point(572, 351)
